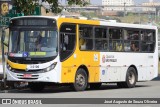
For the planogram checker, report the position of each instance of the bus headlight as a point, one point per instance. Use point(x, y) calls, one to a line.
point(50, 67)
point(9, 67)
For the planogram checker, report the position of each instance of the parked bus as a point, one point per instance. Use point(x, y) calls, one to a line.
point(80, 53)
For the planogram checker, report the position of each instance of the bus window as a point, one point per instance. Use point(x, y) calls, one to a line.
point(133, 35)
point(85, 37)
point(131, 40)
point(115, 33)
point(125, 34)
point(101, 33)
point(127, 46)
point(119, 46)
point(22, 45)
point(150, 35)
point(112, 45)
point(115, 39)
point(101, 40)
point(148, 41)
point(101, 44)
point(134, 46)
point(142, 35)
point(67, 40)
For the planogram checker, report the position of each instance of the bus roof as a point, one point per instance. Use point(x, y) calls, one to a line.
point(103, 23)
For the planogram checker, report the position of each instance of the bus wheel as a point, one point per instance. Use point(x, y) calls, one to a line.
point(131, 78)
point(36, 86)
point(81, 80)
point(95, 85)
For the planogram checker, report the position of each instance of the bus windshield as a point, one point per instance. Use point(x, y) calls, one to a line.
point(33, 43)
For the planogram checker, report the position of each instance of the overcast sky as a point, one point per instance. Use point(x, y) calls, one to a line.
point(136, 1)
point(141, 1)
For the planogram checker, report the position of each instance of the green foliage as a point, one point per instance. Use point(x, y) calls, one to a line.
point(78, 2)
point(130, 14)
point(25, 6)
point(89, 15)
point(53, 6)
point(28, 6)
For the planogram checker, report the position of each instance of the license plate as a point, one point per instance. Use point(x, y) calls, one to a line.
point(27, 75)
point(34, 67)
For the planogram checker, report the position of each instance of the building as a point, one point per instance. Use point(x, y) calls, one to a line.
point(112, 2)
point(150, 5)
point(65, 2)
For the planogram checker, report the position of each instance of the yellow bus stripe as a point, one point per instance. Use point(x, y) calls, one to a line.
point(77, 21)
point(17, 66)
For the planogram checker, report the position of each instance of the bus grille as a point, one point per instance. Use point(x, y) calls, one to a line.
point(28, 72)
point(21, 76)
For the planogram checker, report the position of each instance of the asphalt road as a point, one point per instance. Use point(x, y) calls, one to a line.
point(149, 89)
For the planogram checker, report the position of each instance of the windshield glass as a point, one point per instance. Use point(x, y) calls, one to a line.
point(33, 43)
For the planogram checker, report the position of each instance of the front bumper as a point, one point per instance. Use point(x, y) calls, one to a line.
point(50, 76)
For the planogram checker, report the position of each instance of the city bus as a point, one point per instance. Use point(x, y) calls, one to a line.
point(80, 53)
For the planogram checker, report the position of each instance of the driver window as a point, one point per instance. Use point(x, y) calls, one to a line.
point(67, 40)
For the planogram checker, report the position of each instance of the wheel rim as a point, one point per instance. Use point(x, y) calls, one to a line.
point(131, 78)
point(80, 80)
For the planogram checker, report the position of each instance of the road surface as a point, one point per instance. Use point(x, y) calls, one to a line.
point(149, 89)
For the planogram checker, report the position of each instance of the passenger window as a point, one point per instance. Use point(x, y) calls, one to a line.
point(133, 34)
point(115, 33)
point(101, 40)
point(101, 44)
point(119, 46)
point(131, 40)
point(134, 46)
point(85, 37)
point(126, 35)
point(148, 41)
point(127, 46)
point(115, 39)
point(100, 33)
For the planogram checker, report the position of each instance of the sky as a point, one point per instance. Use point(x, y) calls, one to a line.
point(136, 1)
point(141, 1)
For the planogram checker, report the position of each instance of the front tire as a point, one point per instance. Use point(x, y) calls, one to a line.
point(81, 80)
point(36, 87)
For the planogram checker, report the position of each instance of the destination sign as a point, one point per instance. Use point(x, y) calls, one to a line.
point(33, 22)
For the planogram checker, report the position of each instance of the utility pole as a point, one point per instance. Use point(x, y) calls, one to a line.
point(124, 9)
point(139, 17)
point(155, 13)
point(3, 58)
point(4, 9)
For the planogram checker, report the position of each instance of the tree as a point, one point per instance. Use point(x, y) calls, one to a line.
point(77, 2)
point(28, 6)
point(54, 7)
point(24, 6)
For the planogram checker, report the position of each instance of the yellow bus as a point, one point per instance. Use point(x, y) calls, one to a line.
point(80, 53)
